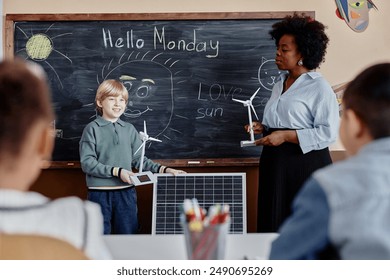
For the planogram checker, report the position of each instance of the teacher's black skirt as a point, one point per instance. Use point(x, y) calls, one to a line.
point(282, 172)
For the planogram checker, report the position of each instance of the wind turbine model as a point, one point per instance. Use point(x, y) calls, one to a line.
point(146, 177)
point(248, 103)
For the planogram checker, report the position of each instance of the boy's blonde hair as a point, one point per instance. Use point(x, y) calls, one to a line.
point(110, 88)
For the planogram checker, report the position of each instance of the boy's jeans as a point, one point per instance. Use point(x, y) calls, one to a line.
point(119, 208)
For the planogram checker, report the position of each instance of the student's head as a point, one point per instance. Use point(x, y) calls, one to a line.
point(113, 91)
point(366, 113)
point(26, 115)
point(306, 36)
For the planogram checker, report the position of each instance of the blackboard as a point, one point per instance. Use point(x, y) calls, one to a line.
point(182, 71)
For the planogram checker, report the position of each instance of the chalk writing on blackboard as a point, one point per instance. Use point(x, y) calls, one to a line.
point(160, 42)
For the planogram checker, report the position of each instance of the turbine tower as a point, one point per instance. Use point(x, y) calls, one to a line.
point(145, 138)
point(249, 105)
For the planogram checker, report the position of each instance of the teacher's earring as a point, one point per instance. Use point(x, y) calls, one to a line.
point(300, 62)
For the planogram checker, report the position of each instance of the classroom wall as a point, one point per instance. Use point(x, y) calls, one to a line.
point(348, 53)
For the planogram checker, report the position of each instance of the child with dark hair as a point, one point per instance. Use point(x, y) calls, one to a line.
point(26, 144)
point(343, 210)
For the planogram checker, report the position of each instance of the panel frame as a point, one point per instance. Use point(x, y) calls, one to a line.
point(223, 174)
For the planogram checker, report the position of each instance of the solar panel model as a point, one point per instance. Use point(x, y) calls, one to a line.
point(208, 188)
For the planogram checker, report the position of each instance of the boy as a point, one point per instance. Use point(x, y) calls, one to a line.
point(107, 156)
point(343, 210)
point(26, 144)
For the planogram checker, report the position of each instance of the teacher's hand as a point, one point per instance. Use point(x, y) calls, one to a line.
point(257, 128)
point(278, 137)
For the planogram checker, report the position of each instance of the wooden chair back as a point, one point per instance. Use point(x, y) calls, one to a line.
point(37, 247)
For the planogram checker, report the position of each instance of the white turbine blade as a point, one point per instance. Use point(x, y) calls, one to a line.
point(139, 148)
point(253, 109)
point(145, 129)
point(241, 101)
point(253, 96)
point(154, 139)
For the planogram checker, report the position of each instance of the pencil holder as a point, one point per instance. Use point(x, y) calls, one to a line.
point(207, 244)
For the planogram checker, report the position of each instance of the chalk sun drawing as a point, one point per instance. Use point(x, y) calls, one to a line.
point(39, 48)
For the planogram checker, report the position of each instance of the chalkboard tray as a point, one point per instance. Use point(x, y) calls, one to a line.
point(181, 69)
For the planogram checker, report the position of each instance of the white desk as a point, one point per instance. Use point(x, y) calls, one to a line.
point(172, 247)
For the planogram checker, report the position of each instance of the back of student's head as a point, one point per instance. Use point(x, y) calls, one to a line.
point(368, 95)
point(24, 100)
point(110, 88)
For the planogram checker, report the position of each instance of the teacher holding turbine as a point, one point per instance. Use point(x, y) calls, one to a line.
point(300, 119)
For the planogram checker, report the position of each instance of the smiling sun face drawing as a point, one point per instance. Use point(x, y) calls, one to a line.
point(150, 86)
point(40, 46)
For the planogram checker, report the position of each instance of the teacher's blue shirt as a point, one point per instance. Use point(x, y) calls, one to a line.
point(309, 106)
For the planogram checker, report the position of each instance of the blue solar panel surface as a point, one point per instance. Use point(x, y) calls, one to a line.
point(208, 188)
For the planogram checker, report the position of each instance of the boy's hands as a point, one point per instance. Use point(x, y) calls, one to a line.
point(125, 176)
point(174, 171)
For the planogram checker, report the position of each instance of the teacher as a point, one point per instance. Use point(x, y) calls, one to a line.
point(300, 120)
